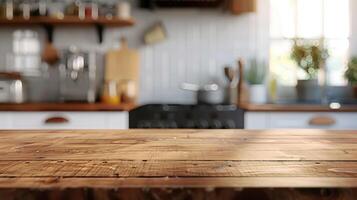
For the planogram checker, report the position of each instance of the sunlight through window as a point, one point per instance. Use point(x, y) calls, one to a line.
point(313, 20)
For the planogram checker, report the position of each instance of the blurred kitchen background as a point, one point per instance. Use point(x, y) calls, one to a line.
point(255, 55)
point(200, 42)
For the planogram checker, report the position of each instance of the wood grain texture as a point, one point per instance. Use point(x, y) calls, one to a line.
point(295, 108)
point(178, 158)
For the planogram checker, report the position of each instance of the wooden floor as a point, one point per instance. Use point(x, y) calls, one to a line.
point(178, 158)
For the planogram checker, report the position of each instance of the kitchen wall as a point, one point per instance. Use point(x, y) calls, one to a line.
point(353, 39)
point(200, 43)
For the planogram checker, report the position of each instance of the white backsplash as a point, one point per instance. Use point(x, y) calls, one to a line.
point(200, 43)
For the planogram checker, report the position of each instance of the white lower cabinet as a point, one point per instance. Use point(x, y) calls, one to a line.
point(64, 120)
point(5, 121)
point(301, 120)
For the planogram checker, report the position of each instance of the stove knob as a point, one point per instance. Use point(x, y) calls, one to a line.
point(144, 124)
point(189, 124)
point(216, 124)
point(158, 125)
point(203, 124)
point(229, 124)
point(171, 124)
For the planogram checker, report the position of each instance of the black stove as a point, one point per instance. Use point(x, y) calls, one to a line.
point(171, 116)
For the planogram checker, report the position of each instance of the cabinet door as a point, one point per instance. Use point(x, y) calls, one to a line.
point(301, 120)
point(5, 122)
point(69, 120)
point(334, 121)
point(255, 120)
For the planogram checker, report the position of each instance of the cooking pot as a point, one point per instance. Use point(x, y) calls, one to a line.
point(207, 94)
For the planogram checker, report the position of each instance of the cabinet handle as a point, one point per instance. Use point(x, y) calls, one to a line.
point(322, 121)
point(56, 120)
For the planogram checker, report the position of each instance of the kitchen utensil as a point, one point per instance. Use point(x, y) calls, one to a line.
point(243, 95)
point(11, 88)
point(123, 64)
point(232, 88)
point(230, 73)
point(207, 94)
point(155, 34)
point(50, 54)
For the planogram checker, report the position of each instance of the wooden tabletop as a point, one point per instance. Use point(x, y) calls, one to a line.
point(178, 158)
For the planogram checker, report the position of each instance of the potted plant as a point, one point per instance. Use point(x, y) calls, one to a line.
point(351, 74)
point(309, 57)
point(255, 77)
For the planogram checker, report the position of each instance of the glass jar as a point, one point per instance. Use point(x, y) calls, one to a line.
point(38, 8)
point(123, 10)
point(107, 10)
point(10, 9)
point(2, 9)
point(110, 93)
point(14, 7)
point(128, 91)
point(57, 9)
point(42, 7)
point(26, 9)
point(72, 8)
point(88, 9)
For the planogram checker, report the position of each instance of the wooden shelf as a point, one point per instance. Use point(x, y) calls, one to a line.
point(68, 20)
point(49, 22)
point(243, 6)
point(82, 107)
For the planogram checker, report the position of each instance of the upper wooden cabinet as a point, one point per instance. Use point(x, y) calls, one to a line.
point(242, 6)
point(180, 3)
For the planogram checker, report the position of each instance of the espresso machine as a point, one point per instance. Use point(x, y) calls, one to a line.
point(79, 75)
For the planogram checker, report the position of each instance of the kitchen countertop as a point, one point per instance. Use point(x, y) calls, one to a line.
point(178, 158)
point(31, 107)
point(34, 107)
point(296, 108)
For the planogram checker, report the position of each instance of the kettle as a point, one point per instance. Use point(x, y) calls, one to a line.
point(206, 94)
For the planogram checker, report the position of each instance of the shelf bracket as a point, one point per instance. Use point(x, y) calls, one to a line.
point(49, 32)
point(100, 30)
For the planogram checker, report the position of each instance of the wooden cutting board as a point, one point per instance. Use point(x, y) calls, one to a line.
point(122, 64)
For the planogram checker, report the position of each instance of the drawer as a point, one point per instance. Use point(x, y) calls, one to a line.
point(69, 120)
point(255, 120)
point(313, 120)
point(5, 121)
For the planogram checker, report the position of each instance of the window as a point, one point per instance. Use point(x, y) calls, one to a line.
point(325, 21)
